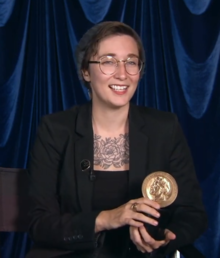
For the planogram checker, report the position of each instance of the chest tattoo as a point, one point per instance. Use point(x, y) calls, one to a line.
point(111, 151)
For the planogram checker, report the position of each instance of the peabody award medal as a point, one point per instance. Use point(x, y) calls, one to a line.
point(160, 187)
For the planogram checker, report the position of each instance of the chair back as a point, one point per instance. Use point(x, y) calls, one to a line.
point(14, 201)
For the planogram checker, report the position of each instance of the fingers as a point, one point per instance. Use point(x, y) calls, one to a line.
point(145, 206)
point(137, 240)
point(134, 223)
point(142, 207)
point(145, 219)
point(149, 240)
point(123, 215)
point(144, 242)
point(133, 213)
point(135, 237)
point(148, 202)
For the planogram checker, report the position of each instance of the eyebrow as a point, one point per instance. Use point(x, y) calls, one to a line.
point(114, 55)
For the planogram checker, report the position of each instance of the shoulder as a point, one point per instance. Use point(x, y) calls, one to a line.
point(155, 123)
point(155, 116)
point(57, 127)
point(63, 118)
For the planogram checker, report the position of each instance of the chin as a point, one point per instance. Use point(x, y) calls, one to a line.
point(119, 104)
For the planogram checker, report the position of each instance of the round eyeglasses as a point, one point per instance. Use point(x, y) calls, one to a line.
point(109, 64)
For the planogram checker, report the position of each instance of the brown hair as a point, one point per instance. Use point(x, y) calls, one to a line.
point(89, 43)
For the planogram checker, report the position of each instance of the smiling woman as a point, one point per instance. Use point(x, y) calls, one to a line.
point(114, 71)
point(89, 162)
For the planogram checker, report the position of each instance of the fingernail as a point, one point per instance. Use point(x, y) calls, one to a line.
point(155, 222)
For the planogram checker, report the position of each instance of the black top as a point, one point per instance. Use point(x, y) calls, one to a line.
point(111, 191)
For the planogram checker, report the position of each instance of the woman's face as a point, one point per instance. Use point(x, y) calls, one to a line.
point(117, 89)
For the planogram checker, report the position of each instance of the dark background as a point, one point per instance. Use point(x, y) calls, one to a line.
point(182, 75)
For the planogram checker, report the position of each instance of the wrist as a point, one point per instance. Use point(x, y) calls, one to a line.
point(101, 221)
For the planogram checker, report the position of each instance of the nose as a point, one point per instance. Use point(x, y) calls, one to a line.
point(120, 71)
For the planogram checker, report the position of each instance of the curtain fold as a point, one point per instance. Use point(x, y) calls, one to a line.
point(38, 76)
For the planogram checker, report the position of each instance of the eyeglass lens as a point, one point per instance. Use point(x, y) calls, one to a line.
point(108, 65)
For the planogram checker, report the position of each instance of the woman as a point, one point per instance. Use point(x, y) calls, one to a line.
point(89, 162)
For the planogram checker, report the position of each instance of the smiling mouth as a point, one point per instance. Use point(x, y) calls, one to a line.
point(118, 88)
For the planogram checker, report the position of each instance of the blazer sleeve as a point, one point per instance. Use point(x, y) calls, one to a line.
point(189, 218)
point(48, 227)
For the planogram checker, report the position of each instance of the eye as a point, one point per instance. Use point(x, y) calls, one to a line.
point(131, 63)
point(107, 62)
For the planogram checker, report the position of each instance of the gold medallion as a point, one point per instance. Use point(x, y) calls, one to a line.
point(160, 187)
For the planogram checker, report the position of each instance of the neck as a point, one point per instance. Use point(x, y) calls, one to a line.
point(109, 119)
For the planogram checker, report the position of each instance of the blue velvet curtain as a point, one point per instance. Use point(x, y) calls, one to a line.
point(38, 76)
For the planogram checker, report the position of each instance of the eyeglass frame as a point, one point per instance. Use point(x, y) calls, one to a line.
point(118, 61)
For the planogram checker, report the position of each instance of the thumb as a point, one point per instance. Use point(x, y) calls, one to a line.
point(169, 235)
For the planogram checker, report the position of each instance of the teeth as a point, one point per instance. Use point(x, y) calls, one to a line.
point(118, 88)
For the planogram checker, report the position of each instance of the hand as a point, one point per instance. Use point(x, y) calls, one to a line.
point(124, 215)
point(143, 241)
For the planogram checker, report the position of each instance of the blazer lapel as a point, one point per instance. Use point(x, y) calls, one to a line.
point(138, 142)
point(84, 151)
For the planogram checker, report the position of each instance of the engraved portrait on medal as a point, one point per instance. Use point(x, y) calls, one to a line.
point(160, 187)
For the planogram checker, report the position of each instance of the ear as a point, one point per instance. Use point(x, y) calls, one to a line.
point(86, 75)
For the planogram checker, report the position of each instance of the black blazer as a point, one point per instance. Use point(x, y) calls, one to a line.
point(62, 219)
